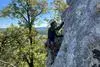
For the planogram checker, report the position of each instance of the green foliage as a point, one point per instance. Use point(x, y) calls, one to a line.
point(60, 5)
point(25, 37)
point(25, 10)
point(14, 47)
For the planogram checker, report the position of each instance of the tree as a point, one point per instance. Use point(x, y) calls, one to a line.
point(81, 34)
point(14, 46)
point(26, 11)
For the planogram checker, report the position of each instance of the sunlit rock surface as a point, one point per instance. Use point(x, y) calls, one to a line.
point(81, 35)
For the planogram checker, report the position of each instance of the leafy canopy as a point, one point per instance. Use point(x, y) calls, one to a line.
point(14, 45)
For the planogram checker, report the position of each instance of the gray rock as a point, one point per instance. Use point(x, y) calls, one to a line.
point(81, 34)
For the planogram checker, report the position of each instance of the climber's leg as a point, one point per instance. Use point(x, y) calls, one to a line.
point(52, 52)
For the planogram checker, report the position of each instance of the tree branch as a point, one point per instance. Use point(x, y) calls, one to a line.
point(23, 6)
point(32, 20)
point(26, 59)
point(7, 63)
point(22, 16)
point(39, 13)
point(27, 10)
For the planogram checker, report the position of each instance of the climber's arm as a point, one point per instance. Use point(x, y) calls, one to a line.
point(59, 35)
point(60, 26)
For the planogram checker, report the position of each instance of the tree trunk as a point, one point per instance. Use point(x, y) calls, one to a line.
point(31, 65)
point(30, 62)
point(81, 35)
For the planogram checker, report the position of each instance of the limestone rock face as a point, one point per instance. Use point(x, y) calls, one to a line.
point(81, 35)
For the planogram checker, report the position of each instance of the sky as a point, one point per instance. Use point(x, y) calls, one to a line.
point(6, 22)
